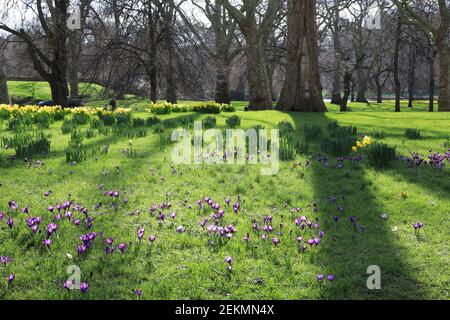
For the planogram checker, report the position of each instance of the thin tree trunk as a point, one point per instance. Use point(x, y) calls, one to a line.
point(431, 83)
point(222, 94)
point(352, 91)
point(396, 66)
point(4, 96)
point(347, 91)
point(362, 86)
point(302, 89)
point(411, 74)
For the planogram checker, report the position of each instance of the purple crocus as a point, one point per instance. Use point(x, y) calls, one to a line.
point(140, 233)
point(47, 243)
point(276, 241)
point(51, 228)
point(229, 260)
point(50, 209)
point(68, 284)
point(10, 222)
point(180, 229)
point(122, 247)
point(109, 241)
point(138, 293)
point(320, 277)
point(331, 277)
point(11, 278)
point(152, 238)
point(4, 260)
point(84, 287)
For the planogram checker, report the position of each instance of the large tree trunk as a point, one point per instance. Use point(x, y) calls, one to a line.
point(260, 96)
point(302, 89)
point(444, 76)
point(4, 97)
point(222, 69)
point(59, 89)
point(411, 73)
point(397, 88)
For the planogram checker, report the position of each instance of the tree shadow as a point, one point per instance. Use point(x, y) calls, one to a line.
point(350, 248)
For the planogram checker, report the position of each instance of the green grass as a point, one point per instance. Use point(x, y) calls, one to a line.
point(187, 266)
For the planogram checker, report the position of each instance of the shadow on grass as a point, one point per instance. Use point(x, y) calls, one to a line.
point(349, 249)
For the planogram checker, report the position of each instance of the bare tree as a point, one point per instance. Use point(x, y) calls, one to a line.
point(255, 25)
point(439, 35)
point(4, 96)
point(49, 58)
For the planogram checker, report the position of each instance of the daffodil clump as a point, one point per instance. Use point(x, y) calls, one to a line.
point(202, 107)
point(6, 111)
point(366, 141)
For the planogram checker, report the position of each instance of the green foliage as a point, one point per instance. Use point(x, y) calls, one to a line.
point(81, 118)
point(96, 123)
point(338, 145)
point(108, 119)
point(200, 107)
point(285, 128)
point(312, 132)
point(68, 126)
point(4, 114)
point(413, 134)
point(43, 120)
point(76, 151)
point(90, 133)
point(209, 122)
point(380, 155)
point(151, 121)
point(139, 122)
point(123, 118)
point(234, 121)
point(335, 129)
point(20, 122)
point(287, 149)
point(28, 143)
point(378, 134)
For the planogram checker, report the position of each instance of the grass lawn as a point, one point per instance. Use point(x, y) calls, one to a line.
point(191, 264)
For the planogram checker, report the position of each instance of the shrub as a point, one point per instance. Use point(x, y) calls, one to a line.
point(413, 134)
point(312, 132)
point(380, 155)
point(187, 122)
point(209, 122)
point(81, 118)
point(28, 143)
point(234, 121)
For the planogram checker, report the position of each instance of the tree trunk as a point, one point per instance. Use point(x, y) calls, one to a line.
point(362, 86)
point(396, 66)
point(59, 89)
point(431, 83)
point(302, 89)
point(222, 83)
point(260, 96)
point(336, 91)
point(444, 76)
point(347, 91)
point(379, 93)
point(153, 84)
point(352, 90)
point(411, 74)
point(4, 97)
